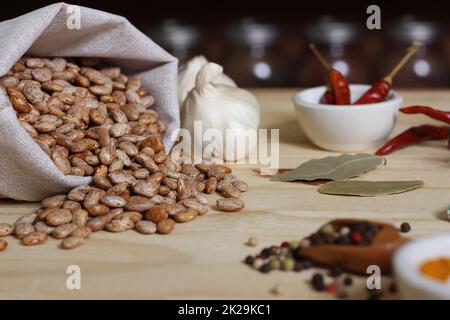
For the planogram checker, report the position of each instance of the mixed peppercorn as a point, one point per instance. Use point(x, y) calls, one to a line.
point(288, 255)
point(357, 234)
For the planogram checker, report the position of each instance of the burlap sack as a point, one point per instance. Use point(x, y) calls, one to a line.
point(26, 172)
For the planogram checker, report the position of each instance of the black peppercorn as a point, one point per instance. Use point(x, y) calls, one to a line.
point(273, 250)
point(344, 240)
point(315, 239)
point(307, 264)
point(298, 267)
point(365, 225)
point(405, 227)
point(368, 235)
point(318, 282)
point(373, 229)
point(360, 227)
point(265, 268)
point(335, 271)
point(266, 252)
point(328, 240)
point(249, 260)
point(348, 281)
point(296, 255)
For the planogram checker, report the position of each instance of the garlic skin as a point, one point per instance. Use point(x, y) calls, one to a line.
point(188, 73)
point(227, 109)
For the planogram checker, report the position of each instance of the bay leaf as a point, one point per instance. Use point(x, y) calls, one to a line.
point(369, 188)
point(341, 167)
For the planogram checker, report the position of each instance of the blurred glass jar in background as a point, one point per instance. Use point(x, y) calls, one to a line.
point(446, 41)
point(338, 42)
point(182, 40)
point(253, 56)
point(372, 45)
point(427, 68)
point(292, 46)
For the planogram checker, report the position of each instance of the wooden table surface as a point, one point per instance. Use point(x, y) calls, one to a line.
point(202, 259)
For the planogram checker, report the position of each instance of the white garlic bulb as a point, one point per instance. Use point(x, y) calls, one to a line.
point(188, 73)
point(222, 110)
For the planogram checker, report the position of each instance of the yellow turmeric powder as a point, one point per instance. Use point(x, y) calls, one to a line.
point(438, 269)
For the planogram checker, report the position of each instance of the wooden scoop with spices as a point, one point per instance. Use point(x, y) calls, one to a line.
point(353, 245)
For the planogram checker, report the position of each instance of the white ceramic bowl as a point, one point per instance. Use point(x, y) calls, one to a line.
point(346, 128)
point(407, 261)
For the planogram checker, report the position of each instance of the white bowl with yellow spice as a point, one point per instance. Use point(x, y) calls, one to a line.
point(422, 268)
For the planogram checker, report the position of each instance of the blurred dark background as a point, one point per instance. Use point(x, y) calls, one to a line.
point(264, 44)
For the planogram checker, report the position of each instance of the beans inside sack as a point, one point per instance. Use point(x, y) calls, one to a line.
point(92, 120)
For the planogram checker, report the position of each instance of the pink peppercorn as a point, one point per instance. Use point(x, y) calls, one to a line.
point(356, 237)
point(331, 288)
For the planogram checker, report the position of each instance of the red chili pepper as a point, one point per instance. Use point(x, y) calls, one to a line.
point(328, 97)
point(443, 116)
point(339, 88)
point(379, 91)
point(412, 136)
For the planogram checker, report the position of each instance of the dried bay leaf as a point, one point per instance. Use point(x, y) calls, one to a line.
point(369, 188)
point(341, 167)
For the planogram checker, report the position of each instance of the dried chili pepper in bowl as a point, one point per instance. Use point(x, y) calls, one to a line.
point(328, 97)
point(380, 90)
point(338, 84)
point(377, 93)
point(345, 128)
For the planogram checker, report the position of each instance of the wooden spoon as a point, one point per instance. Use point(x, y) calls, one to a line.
point(356, 258)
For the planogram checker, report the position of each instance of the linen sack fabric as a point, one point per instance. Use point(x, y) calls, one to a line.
point(26, 172)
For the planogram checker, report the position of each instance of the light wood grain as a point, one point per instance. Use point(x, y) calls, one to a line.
point(202, 259)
